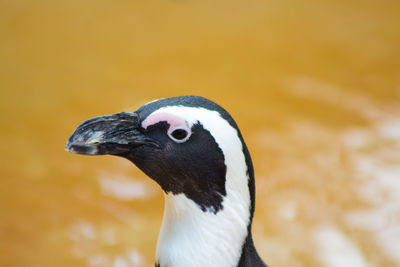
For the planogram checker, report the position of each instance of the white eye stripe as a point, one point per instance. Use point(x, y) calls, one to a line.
point(179, 134)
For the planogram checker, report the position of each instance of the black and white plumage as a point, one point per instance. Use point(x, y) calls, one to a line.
point(194, 150)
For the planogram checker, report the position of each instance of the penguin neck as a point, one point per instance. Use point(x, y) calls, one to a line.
point(190, 236)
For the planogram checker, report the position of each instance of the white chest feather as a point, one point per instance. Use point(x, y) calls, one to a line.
point(191, 237)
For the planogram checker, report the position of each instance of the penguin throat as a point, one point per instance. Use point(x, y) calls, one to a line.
point(191, 237)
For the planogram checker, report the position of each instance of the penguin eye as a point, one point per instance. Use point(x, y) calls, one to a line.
point(179, 135)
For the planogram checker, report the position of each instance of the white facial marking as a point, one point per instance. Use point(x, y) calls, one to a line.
point(189, 236)
point(175, 122)
point(171, 119)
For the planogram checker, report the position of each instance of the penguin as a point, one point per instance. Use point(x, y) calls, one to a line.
point(194, 150)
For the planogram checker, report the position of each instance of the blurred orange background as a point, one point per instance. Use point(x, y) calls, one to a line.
point(314, 87)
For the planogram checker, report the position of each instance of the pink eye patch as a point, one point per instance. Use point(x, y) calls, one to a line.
point(172, 120)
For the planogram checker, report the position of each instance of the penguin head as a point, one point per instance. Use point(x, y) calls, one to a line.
point(189, 145)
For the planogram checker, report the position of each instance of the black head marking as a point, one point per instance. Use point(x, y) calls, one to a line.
point(198, 101)
point(192, 168)
point(201, 102)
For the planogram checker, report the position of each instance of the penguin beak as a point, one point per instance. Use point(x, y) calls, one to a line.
point(108, 135)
